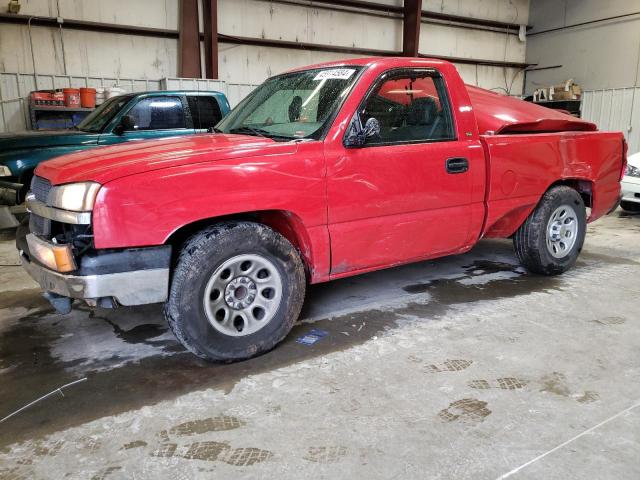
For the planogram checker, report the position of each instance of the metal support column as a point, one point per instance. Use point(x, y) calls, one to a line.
point(411, 27)
point(210, 21)
point(189, 40)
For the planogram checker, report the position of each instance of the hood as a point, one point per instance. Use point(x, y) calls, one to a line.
point(108, 163)
point(503, 114)
point(634, 160)
point(38, 139)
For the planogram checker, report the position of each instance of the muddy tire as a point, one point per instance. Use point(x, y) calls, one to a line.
point(551, 238)
point(631, 207)
point(236, 291)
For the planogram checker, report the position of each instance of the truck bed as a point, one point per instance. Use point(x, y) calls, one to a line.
point(520, 168)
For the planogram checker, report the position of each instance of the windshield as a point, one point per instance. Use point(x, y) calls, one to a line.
point(96, 120)
point(293, 105)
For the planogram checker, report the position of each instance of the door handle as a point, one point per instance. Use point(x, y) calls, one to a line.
point(457, 165)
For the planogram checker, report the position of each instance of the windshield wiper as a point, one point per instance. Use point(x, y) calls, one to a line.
point(250, 130)
point(260, 132)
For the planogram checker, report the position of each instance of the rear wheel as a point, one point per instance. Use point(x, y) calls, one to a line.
point(236, 292)
point(551, 238)
point(632, 207)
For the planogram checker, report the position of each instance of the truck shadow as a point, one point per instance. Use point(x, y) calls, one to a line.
point(131, 359)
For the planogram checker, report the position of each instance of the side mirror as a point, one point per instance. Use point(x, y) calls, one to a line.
point(127, 123)
point(358, 134)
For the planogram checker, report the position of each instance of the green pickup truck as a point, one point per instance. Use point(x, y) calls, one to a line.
point(136, 116)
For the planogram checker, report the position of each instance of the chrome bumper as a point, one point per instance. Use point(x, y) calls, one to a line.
point(137, 287)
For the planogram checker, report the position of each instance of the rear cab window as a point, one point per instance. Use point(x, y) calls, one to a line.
point(205, 111)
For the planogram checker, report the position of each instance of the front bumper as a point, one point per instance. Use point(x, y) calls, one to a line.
point(630, 189)
point(134, 276)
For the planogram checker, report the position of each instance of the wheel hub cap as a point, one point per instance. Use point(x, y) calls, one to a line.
point(240, 292)
point(562, 231)
point(243, 295)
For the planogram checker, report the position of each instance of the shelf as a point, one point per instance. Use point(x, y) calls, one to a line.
point(557, 101)
point(46, 108)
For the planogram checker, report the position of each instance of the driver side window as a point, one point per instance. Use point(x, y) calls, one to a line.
point(410, 108)
point(158, 113)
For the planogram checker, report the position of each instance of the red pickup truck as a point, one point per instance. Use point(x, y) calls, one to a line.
point(322, 172)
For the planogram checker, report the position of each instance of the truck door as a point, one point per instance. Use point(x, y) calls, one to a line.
point(406, 193)
point(153, 116)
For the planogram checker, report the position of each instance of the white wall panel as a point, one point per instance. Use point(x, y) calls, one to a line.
point(513, 11)
point(466, 43)
point(599, 55)
point(95, 55)
point(615, 110)
point(141, 13)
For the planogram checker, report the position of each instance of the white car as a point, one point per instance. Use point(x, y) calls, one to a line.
point(631, 185)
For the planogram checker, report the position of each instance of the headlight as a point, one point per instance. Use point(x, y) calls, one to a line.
point(632, 171)
point(4, 171)
point(77, 197)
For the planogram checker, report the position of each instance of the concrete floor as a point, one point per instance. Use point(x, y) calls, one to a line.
point(463, 367)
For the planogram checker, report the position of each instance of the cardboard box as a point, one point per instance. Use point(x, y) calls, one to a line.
point(567, 91)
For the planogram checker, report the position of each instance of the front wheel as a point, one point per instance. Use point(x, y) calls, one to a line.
point(551, 238)
point(236, 292)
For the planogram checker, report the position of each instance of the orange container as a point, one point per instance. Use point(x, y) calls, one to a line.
point(88, 97)
point(71, 97)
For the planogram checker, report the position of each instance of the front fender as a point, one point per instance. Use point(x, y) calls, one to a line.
point(146, 208)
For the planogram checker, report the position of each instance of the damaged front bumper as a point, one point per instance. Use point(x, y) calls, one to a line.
point(135, 276)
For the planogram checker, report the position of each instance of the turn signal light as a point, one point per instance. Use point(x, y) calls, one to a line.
point(55, 257)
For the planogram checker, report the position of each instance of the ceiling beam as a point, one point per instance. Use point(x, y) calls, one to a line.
point(260, 42)
point(411, 27)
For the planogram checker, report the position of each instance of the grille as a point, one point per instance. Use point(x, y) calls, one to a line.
point(39, 225)
point(40, 188)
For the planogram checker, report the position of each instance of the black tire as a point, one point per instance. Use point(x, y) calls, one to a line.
point(631, 207)
point(530, 241)
point(200, 258)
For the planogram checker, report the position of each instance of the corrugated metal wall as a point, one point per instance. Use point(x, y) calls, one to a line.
point(616, 109)
point(15, 89)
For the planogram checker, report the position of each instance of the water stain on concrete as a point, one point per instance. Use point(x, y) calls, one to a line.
point(466, 409)
point(211, 451)
point(207, 450)
point(555, 383)
point(505, 383)
point(453, 291)
point(134, 444)
point(214, 424)
point(588, 396)
point(105, 473)
point(139, 334)
point(246, 456)
point(326, 454)
point(610, 321)
point(165, 450)
point(157, 378)
point(28, 298)
point(449, 366)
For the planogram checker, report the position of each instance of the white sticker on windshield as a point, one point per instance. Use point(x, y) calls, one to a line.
point(339, 73)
